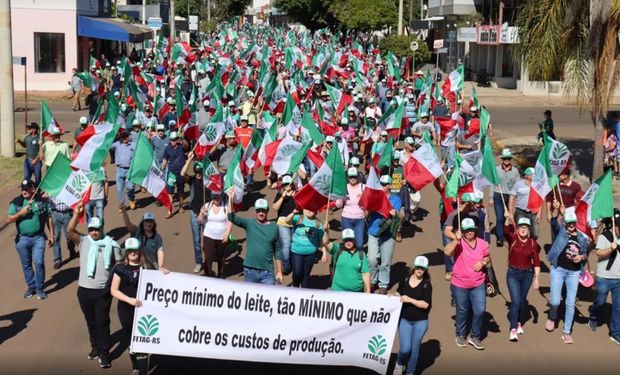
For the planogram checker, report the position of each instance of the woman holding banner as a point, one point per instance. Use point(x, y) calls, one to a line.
point(416, 294)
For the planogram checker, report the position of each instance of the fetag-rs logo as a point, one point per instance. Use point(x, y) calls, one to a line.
point(147, 327)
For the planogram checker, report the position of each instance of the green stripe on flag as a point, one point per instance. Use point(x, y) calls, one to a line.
point(603, 202)
point(57, 175)
point(141, 167)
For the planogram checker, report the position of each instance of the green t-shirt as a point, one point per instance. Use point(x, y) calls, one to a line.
point(307, 236)
point(263, 242)
point(418, 83)
point(34, 222)
point(32, 145)
point(348, 269)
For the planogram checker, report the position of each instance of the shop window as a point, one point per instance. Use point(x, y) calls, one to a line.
point(49, 52)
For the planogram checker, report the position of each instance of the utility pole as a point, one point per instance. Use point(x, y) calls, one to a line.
point(209, 10)
point(171, 20)
point(400, 17)
point(421, 9)
point(7, 119)
point(144, 12)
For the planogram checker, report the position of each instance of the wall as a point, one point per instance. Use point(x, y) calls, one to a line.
point(25, 22)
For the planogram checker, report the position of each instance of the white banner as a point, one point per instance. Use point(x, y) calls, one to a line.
point(195, 316)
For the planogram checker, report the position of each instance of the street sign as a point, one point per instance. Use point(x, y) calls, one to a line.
point(438, 43)
point(451, 35)
point(442, 50)
point(192, 23)
point(414, 46)
point(19, 60)
point(155, 23)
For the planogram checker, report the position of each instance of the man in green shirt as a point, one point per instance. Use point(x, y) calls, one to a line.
point(263, 244)
point(351, 272)
point(30, 213)
point(32, 143)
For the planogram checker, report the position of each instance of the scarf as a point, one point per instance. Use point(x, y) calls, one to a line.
point(107, 243)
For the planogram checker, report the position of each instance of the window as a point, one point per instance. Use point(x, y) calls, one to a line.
point(49, 52)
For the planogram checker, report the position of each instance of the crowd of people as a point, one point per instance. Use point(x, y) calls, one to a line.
point(224, 108)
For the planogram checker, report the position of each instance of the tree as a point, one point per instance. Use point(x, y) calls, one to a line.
point(399, 46)
point(580, 39)
point(314, 14)
point(365, 15)
point(226, 9)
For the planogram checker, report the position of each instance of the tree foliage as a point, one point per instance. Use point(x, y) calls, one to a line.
point(399, 46)
point(365, 15)
point(314, 14)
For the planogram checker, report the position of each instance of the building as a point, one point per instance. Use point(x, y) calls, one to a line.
point(263, 11)
point(56, 36)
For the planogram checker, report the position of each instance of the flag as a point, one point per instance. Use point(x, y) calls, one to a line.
point(93, 62)
point(211, 135)
point(488, 172)
point(542, 181)
point(328, 183)
point(597, 203)
point(454, 82)
point(291, 117)
point(282, 157)
point(423, 167)
point(452, 187)
point(308, 123)
point(339, 99)
point(211, 176)
point(298, 157)
point(67, 185)
point(48, 122)
point(473, 101)
point(250, 154)
point(86, 78)
point(96, 141)
point(373, 197)
point(145, 172)
point(559, 156)
point(234, 178)
point(385, 160)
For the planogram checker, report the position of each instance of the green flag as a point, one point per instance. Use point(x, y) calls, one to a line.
point(386, 156)
point(452, 188)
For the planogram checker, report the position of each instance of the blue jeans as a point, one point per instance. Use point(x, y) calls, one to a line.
point(32, 249)
point(358, 226)
point(61, 220)
point(474, 300)
point(519, 282)
point(410, 335)
point(30, 170)
point(559, 277)
point(380, 252)
point(448, 261)
point(253, 275)
point(603, 287)
point(94, 208)
point(286, 235)
point(121, 183)
point(498, 206)
point(196, 235)
point(302, 267)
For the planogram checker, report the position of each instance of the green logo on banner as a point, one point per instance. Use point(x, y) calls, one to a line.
point(148, 325)
point(377, 345)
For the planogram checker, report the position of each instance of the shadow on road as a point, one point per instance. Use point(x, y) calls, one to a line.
point(61, 279)
point(18, 322)
point(429, 352)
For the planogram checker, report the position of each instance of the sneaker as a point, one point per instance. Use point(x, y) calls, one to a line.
point(398, 369)
point(94, 354)
point(592, 324)
point(520, 330)
point(29, 293)
point(104, 361)
point(550, 325)
point(197, 268)
point(460, 342)
point(500, 243)
point(567, 338)
point(448, 276)
point(514, 336)
point(615, 339)
point(475, 342)
point(41, 294)
point(286, 270)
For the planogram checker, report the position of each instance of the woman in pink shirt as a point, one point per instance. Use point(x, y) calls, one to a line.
point(353, 216)
point(471, 255)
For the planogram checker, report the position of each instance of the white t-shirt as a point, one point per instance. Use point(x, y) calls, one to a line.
point(601, 268)
point(215, 224)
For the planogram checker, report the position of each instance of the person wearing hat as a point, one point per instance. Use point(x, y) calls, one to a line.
point(198, 196)
point(123, 152)
point(172, 113)
point(213, 217)
point(400, 187)
point(98, 198)
point(469, 207)
point(523, 269)
point(467, 284)
point(519, 198)
point(353, 216)
point(570, 194)
point(174, 160)
point(114, 80)
point(410, 109)
point(416, 294)
point(243, 133)
point(76, 90)
point(546, 126)
point(567, 257)
point(378, 146)
point(387, 101)
point(349, 135)
point(30, 213)
point(224, 153)
point(54, 146)
point(423, 126)
point(306, 242)
point(372, 110)
point(248, 109)
point(355, 162)
point(76, 133)
point(32, 143)
point(328, 144)
point(351, 272)
point(284, 204)
point(98, 254)
point(381, 234)
point(159, 140)
point(136, 129)
point(152, 243)
point(263, 247)
point(607, 277)
point(508, 177)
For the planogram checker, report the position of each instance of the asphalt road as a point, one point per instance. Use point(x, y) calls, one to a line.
point(50, 336)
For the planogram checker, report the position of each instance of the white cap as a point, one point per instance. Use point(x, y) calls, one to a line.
point(148, 216)
point(287, 180)
point(135, 122)
point(250, 94)
point(160, 127)
point(524, 221)
point(506, 153)
point(396, 155)
point(352, 172)
point(570, 216)
point(231, 103)
point(243, 118)
point(423, 114)
point(174, 135)
point(330, 139)
point(344, 121)
point(132, 244)
point(351, 108)
point(354, 161)
point(468, 223)
point(385, 179)
point(56, 130)
point(473, 108)
point(409, 141)
point(205, 102)
point(83, 120)
point(123, 106)
point(421, 261)
point(348, 234)
point(169, 100)
point(117, 93)
point(261, 204)
point(94, 222)
point(383, 132)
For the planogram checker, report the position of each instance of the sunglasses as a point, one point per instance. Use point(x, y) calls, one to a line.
point(94, 229)
point(261, 210)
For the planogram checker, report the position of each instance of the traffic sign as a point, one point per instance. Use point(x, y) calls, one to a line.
point(438, 43)
point(442, 50)
point(193, 23)
point(414, 46)
point(155, 23)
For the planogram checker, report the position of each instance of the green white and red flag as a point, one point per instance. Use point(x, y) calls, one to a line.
point(597, 203)
point(211, 176)
point(291, 116)
point(96, 141)
point(373, 197)
point(211, 135)
point(339, 99)
point(145, 172)
point(423, 167)
point(234, 178)
point(250, 154)
point(65, 184)
point(542, 181)
point(48, 122)
point(283, 155)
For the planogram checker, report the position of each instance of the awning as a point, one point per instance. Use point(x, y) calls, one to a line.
point(113, 29)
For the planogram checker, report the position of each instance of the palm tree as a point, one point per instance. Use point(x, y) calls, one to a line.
point(579, 40)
